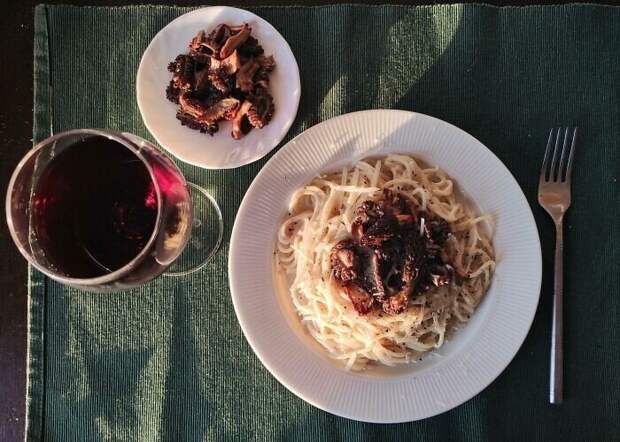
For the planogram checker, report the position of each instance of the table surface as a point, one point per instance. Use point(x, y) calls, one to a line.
point(16, 29)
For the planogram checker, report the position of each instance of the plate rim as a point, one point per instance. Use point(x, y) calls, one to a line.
point(285, 129)
point(252, 341)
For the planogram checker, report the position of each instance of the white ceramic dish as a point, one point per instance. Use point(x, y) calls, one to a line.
point(220, 151)
point(466, 364)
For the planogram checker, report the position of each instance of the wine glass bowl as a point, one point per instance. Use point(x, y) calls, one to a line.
point(98, 209)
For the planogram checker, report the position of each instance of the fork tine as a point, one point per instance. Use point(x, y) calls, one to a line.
point(563, 156)
point(571, 155)
point(554, 162)
point(545, 164)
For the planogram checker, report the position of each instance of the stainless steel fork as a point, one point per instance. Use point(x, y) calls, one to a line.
point(554, 197)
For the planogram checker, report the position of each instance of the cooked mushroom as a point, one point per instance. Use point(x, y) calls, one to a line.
point(397, 303)
point(218, 82)
point(250, 48)
point(379, 231)
point(261, 77)
point(246, 74)
point(223, 109)
point(189, 121)
point(361, 300)
point(197, 42)
point(364, 214)
point(212, 43)
point(405, 219)
point(441, 274)
point(201, 80)
point(240, 122)
point(234, 41)
point(191, 106)
point(172, 92)
point(437, 231)
point(266, 63)
point(344, 262)
point(262, 109)
point(228, 65)
point(183, 71)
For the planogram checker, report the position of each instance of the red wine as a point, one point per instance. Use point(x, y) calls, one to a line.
point(94, 208)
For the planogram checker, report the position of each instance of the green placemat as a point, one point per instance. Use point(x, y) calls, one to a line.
point(169, 362)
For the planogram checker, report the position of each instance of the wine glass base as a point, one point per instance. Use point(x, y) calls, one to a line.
point(206, 237)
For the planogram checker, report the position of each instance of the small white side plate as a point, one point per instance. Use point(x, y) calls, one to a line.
point(220, 151)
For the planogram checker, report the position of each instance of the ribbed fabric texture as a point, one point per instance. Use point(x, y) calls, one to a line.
point(168, 361)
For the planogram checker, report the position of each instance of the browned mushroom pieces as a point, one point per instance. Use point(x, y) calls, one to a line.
point(439, 279)
point(201, 59)
point(182, 83)
point(245, 76)
point(361, 300)
point(238, 129)
point(220, 33)
point(266, 63)
point(183, 70)
point(409, 272)
point(397, 303)
point(197, 41)
point(344, 262)
point(226, 108)
point(396, 260)
point(250, 48)
point(357, 229)
point(222, 69)
point(214, 41)
point(257, 119)
point(404, 219)
point(368, 210)
point(263, 83)
point(441, 275)
point(218, 82)
point(231, 64)
point(377, 233)
point(438, 231)
point(223, 109)
point(192, 123)
point(191, 106)
point(262, 109)
point(215, 65)
point(201, 80)
point(234, 41)
point(346, 257)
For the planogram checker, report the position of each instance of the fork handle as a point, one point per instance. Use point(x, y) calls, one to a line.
point(557, 356)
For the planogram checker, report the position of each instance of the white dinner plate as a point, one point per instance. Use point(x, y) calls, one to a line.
point(219, 151)
point(467, 363)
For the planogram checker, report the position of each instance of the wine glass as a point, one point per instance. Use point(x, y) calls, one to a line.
point(104, 210)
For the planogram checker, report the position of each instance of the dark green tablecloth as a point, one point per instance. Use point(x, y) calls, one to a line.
point(169, 361)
